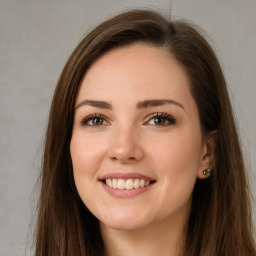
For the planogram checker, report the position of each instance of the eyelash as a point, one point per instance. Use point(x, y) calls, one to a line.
point(165, 116)
point(92, 117)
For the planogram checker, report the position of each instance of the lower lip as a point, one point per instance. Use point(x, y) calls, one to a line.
point(125, 193)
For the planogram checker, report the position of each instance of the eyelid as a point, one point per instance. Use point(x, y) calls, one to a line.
point(165, 115)
point(86, 119)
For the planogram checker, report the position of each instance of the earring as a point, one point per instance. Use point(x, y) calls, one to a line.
point(207, 172)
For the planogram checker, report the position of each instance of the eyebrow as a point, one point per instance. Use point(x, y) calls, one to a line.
point(158, 102)
point(95, 103)
point(140, 105)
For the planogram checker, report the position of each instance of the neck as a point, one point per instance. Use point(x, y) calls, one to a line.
point(165, 239)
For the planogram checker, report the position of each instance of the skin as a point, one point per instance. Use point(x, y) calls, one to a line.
point(130, 139)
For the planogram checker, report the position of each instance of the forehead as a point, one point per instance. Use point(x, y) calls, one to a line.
point(135, 71)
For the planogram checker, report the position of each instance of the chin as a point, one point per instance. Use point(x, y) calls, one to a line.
point(125, 222)
point(123, 226)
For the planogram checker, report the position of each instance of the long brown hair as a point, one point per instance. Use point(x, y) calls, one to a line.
point(220, 220)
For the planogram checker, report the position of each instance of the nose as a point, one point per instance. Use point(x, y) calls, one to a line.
point(125, 146)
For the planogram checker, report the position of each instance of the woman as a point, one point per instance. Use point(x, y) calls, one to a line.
point(141, 154)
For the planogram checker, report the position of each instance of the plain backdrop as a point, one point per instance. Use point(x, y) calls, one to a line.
point(36, 38)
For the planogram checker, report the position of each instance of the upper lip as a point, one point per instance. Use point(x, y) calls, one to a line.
point(131, 175)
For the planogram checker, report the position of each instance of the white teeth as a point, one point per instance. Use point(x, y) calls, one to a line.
point(114, 183)
point(147, 183)
point(127, 184)
point(136, 183)
point(110, 183)
point(142, 183)
point(121, 184)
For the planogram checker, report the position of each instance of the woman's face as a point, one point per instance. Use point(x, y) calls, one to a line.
point(136, 146)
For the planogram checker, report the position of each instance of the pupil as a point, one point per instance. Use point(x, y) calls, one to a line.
point(159, 120)
point(97, 121)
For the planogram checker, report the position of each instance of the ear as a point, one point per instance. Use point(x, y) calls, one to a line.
point(208, 153)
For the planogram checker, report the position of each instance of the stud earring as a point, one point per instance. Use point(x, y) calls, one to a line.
point(207, 172)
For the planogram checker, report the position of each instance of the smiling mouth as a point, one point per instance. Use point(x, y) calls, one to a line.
point(127, 184)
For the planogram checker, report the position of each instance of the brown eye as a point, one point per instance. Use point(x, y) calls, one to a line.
point(94, 120)
point(160, 119)
point(97, 121)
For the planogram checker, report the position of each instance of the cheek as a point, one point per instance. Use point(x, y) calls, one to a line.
point(177, 177)
point(85, 154)
point(177, 153)
point(177, 161)
point(86, 158)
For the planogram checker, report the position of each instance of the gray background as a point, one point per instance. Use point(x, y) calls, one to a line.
point(36, 37)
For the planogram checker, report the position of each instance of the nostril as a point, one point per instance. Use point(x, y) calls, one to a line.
point(114, 158)
point(132, 158)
